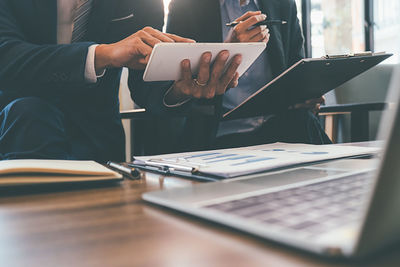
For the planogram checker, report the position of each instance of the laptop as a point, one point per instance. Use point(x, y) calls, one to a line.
point(344, 208)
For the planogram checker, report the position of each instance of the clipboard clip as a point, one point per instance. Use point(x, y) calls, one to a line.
point(165, 166)
point(360, 54)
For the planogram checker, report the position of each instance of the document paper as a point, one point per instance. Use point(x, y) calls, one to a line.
point(228, 163)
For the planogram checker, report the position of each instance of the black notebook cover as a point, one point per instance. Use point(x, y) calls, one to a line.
point(309, 78)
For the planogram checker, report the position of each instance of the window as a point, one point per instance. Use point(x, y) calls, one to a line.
point(337, 27)
point(166, 6)
point(299, 10)
point(387, 28)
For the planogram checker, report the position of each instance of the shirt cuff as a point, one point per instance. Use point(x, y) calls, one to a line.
point(177, 104)
point(90, 69)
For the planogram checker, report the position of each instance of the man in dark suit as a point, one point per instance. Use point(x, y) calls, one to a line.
point(204, 21)
point(60, 67)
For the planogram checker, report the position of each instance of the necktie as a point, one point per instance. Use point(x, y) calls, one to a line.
point(81, 20)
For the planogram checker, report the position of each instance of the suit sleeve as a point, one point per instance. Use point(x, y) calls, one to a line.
point(25, 62)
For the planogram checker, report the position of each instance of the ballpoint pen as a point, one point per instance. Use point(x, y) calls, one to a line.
point(131, 173)
point(265, 22)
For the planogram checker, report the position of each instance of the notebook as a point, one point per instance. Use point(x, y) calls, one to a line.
point(28, 172)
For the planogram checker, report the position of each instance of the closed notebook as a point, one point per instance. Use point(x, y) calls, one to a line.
point(26, 172)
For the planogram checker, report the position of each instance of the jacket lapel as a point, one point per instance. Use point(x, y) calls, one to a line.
point(46, 11)
point(275, 46)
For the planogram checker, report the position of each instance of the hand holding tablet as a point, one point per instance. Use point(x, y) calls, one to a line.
point(166, 58)
point(200, 70)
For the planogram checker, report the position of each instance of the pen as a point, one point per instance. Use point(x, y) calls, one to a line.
point(132, 173)
point(265, 22)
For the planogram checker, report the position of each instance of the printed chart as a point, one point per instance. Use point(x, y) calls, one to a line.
point(246, 160)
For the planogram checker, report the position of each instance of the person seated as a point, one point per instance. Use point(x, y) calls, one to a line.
point(204, 21)
point(60, 69)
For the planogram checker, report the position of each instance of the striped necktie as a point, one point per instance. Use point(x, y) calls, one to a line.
point(81, 20)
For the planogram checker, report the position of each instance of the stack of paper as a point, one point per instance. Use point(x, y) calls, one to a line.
point(235, 162)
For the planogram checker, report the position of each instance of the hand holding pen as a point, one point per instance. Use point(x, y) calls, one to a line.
point(246, 29)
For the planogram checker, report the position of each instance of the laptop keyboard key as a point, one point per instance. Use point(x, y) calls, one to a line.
point(312, 208)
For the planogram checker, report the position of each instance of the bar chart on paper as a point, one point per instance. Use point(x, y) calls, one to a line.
point(240, 161)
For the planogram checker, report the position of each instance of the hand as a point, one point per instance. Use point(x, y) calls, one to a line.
point(134, 51)
point(211, 81)
point(312, 104)
point(246, 32)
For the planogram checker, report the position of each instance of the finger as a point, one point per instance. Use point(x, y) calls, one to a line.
point(204, 76)
point(260, 36)
point(149, 39)
point(316, 109)
point(243, 26)
point(257, 30)
point(315, 101)
point(179, 39)
point(248, 15)
point(144, 49)
point(138, 62)
point(301, 105)
point(204, 68)
point(235, 82)
point(143, 61)
point(266, 39)
point(158, 35)
point(186, 72)
point(218, 68)
point(140, 56)
point(229, 75)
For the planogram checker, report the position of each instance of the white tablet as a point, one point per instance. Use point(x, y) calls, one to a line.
point(165, 60)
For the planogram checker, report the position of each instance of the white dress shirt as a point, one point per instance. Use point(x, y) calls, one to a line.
point(65, 26)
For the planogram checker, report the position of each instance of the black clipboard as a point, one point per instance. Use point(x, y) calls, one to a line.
point(308, 78)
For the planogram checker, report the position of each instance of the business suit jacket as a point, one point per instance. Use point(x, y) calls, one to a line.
point(32, 64)
point(201, 21)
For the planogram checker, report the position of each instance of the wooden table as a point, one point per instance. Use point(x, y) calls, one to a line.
point(111, 226)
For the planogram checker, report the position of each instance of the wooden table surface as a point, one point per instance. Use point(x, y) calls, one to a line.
point(111, 226)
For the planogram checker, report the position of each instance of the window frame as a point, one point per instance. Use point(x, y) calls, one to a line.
point(369, 25)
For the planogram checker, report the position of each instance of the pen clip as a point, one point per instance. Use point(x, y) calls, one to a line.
point(171, 166)
point(163, 166)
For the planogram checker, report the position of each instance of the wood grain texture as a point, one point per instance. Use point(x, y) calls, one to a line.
point(111, 226)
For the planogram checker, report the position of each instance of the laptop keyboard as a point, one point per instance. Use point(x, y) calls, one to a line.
point(312, 208)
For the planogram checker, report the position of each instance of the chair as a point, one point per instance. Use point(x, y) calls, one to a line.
point(359, 119)
point(141, 126)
